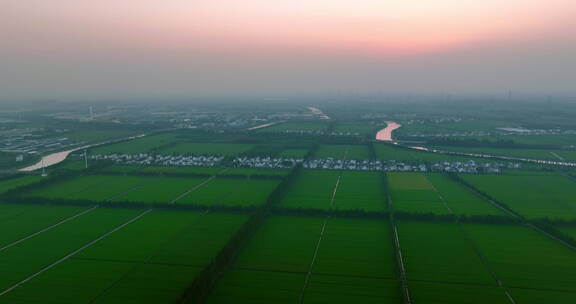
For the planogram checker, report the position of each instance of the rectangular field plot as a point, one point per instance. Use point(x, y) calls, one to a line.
point(163, 191)
point(447, 293)
point(459, 199)
point(296, 127)
point(230, 192)
point(537, 196)
point(278, 173)
point(414, 193)
point(140, 145)
point(361, 190)
point(390, 152)
point(294, 153)
point(524, 258)
point(20, 221)
point(19, 262)
point(531, 296)
point(128, 268)
point(354, 261)
point(97, 188)
point(343, 152)
point(161, 170)
point(312, 189)
point(13, 183)
point(186, 148)
point(356, 128)
point(440, 252)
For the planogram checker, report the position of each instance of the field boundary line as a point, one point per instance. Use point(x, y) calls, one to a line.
point(398, 251)
point(309, 273)
point(551, 236)
point(557, 156)
point(195, 187)
point(485, 261)
point(66, 257)
point(489, 200)
point(48, 228)
point(402, 269)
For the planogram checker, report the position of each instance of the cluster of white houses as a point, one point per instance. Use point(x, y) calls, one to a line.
point(161, 160)
point(469, 166)
point(265, 162)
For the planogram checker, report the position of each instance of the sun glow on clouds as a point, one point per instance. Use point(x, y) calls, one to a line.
point(375, 26)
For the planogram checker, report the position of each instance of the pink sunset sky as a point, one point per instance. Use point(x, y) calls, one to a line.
point(108, 48)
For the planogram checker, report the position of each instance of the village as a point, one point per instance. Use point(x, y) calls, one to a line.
point(267, 162)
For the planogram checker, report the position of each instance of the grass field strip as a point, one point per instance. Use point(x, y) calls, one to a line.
point(48, 228)
point(196, 187)
point(133, 189)
point(485, 262)
point(495, 204)
point(149, 258)
point(16, 215)
point(477, 251)
point(515, 215)
point(309, 273)
point(66, 257)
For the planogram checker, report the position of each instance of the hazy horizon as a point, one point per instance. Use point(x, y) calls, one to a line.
point(131, 49)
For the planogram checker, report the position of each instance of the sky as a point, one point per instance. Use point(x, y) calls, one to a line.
point(114, 49)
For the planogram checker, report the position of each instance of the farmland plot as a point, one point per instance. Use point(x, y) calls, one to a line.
point(354, 261)
point(459, 199)
point(524, 258)
point(164, 191)
point(96, 188)
point(23, 260)
point(230, 192)
point(312, 189)
point(185, 148)
point(535, 196)
point(20, 221)
point(413, 192)
point(343, 152)
point(361, 190)
point(128, 268)
point(13, 183)
point(273, 265)
point(140, 145)
point(296, 127)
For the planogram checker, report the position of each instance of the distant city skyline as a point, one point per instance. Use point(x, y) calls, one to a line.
point(174, 49)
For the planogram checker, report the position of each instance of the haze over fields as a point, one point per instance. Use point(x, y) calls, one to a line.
point(70, 49)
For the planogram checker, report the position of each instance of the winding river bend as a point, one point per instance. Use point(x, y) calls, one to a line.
point(386, 133)
point(58, 157)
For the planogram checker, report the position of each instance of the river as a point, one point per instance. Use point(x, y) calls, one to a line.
point(386, 133)
point(58, 157)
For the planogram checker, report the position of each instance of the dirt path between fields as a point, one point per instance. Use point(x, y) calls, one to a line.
point(196, 187)
point(310, 268)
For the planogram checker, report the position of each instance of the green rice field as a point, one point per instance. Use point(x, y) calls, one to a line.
point(186, 148)
point(343, 152)
point(122, 267)
point(313, 267)
point(532, 196)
